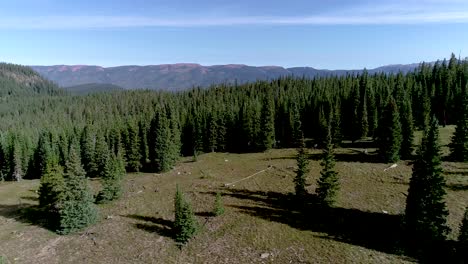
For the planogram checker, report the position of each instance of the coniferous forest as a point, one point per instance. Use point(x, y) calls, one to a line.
point(66, 140)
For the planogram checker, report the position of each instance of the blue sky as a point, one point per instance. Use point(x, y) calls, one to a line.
point(333, 34)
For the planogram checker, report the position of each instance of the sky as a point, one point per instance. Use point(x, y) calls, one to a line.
point(332, 34)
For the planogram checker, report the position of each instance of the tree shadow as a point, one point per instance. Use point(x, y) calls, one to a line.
point(26, 213)
point(351, 157)
point(161, 226)
point(30, 198)
point(461, 173)
point(372, 230)
point(205, 214)
point(458, 187)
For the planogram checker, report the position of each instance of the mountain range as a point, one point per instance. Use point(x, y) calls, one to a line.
point(182, 76)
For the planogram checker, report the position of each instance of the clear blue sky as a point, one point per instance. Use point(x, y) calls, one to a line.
point(332, 34)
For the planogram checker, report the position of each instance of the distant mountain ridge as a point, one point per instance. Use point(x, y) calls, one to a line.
point(182, 76)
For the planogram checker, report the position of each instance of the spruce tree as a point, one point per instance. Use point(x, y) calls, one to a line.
point(336, 126)
point(407, 130)
point(185, 224)
point(426, 212)
point(50, 192)
point(328, 184)
point(459, 143)
point(76, 205)
point(112, 175)
point(87, 143)
point(161, 148)
point(364, 117)
point(389, 138)
point(302, 169)
point(218, 208)
point(212, 133)
point(101, 156)
point(132, 149)
point(40, 156)
point(267, 124)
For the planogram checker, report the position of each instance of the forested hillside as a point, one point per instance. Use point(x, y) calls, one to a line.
point(244, 118)
point(18, 80)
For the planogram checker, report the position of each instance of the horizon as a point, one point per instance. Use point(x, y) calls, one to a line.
point(334, 35)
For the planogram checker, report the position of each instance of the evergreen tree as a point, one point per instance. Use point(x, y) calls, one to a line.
point(111, 179)
point(101, 156)
point(389, 138)
point(296, 135)
point(76, 207)
point(459, 143)
point(267, 124)
point(175, 139)
point(142, 136)
point(50, 192)
point(426, 212)
point(407, 129)
point(218, 208)
point(15, 160)
point(185, 224)
point(212, 133)
point(328, 184)
point(40, 156)
point(87, 142)
point(364, 117)
point(132, 149)
point(161, 148)
point(336, 126)
point(302, 169)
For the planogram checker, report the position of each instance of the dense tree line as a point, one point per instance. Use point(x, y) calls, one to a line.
point(153, 128)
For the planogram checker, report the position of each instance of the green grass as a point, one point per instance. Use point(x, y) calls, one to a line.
point(136, 229)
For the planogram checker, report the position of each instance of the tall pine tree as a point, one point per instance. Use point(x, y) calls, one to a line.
point(389, 136)
point(302, 169)
point(426, 212)
point(459, 144)
point(328, 184)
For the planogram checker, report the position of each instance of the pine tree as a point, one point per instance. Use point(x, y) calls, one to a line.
point(459, 143)
point(426, 211)
point(76, 207)
point(40, 156)
point(267, 124)
point(218, 208)
point(161, 148)
point(143, 140)
point(213, 133)
point(302, 169)
point(328, 184)
point(50, 192)
point(15, 160)
point(336, 126)
point(132, 149)
point(101, 156)
point(111, 179)
point(87, 142)
point(185, 224)
point(389, 138)
point(175, 139)
point(407, 129)
point(364, 117)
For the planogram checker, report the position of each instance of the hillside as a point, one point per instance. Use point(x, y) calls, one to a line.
point(84, 89)
point(16, 80)
point(184, 75)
